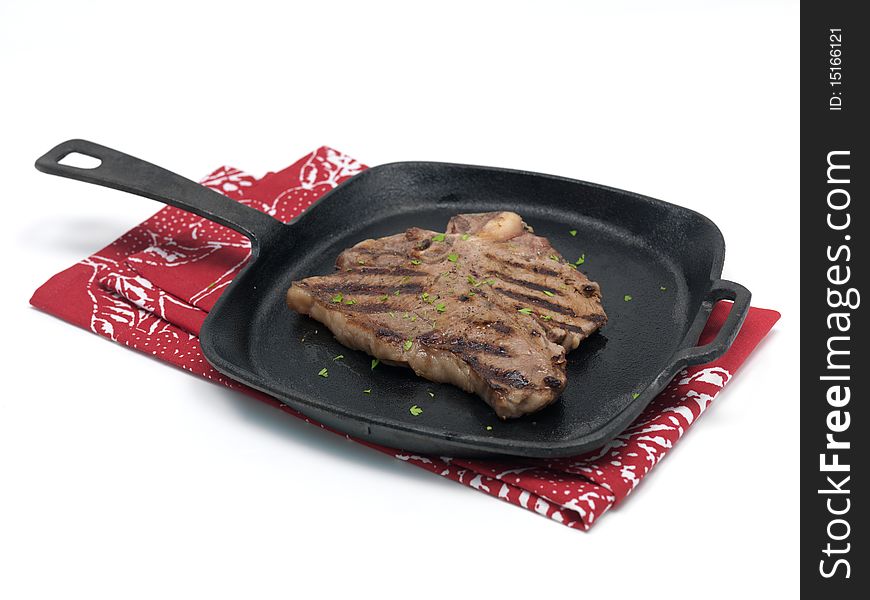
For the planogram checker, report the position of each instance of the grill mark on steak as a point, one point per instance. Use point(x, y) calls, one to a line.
point(565, 326)
point(594, 318)
point(365, 289)
point(513, 377)
point(368, 309)
point(379, 252)
point(552, 382)
point(535, 268)
point(397, 271)
point(462, 333)
point(462, 345)
point(552, 306)
point(527, 284)
point(388, 334)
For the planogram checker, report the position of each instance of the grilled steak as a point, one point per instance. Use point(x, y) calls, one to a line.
point(487, 306)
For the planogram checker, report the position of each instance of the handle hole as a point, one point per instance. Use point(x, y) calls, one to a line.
point(80, 161)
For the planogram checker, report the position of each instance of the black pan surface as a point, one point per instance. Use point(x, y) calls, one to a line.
point(658, 265)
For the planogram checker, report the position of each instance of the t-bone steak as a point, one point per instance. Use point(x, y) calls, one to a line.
point(488, 306)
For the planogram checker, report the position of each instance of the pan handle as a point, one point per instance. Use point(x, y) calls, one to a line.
point(721, 290)
point(129, 174)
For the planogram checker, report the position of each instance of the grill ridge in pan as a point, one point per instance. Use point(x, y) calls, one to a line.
point(634, 246)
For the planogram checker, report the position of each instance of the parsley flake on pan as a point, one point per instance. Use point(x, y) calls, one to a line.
point(416, 410)
point(323, 372)
point(525, 311)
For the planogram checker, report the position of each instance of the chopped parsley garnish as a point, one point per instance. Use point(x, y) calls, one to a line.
point(441, 307)
point(407, 345)
point(360, 262)
point(339, 357)
point(413, 318)
point(549, 293)
point(337, 298)
point(384, 298)
point(634, 396)
point(414, 261)
point(392, 314)
point(465, 236)
point(438, 238)
point(397, 292)
point(350, 301)
point(375, 363)
point(489, 427)
point(323, 372)
point(573, 233)
point(473, 281)
point(368, 391)
point(488, 282)
point(546, 317)
point(663, 288)
point(415, 410)
point(525, 311)
point(405, 279)
point(452, 257)
point(581, 260)
point(627, 298)
point(425, 296)
point(554, 257)
point(572, 265)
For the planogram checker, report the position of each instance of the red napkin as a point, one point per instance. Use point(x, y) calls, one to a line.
point(152, 288)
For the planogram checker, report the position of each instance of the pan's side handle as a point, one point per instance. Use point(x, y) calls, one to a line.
point(129, 174)
point(720, 290)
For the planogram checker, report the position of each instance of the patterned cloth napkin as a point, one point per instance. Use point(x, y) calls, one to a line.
point(152, 288)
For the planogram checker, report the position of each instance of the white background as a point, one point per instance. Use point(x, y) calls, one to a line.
point(174, 488)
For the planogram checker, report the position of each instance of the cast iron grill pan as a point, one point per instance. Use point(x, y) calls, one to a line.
point(633, 245)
